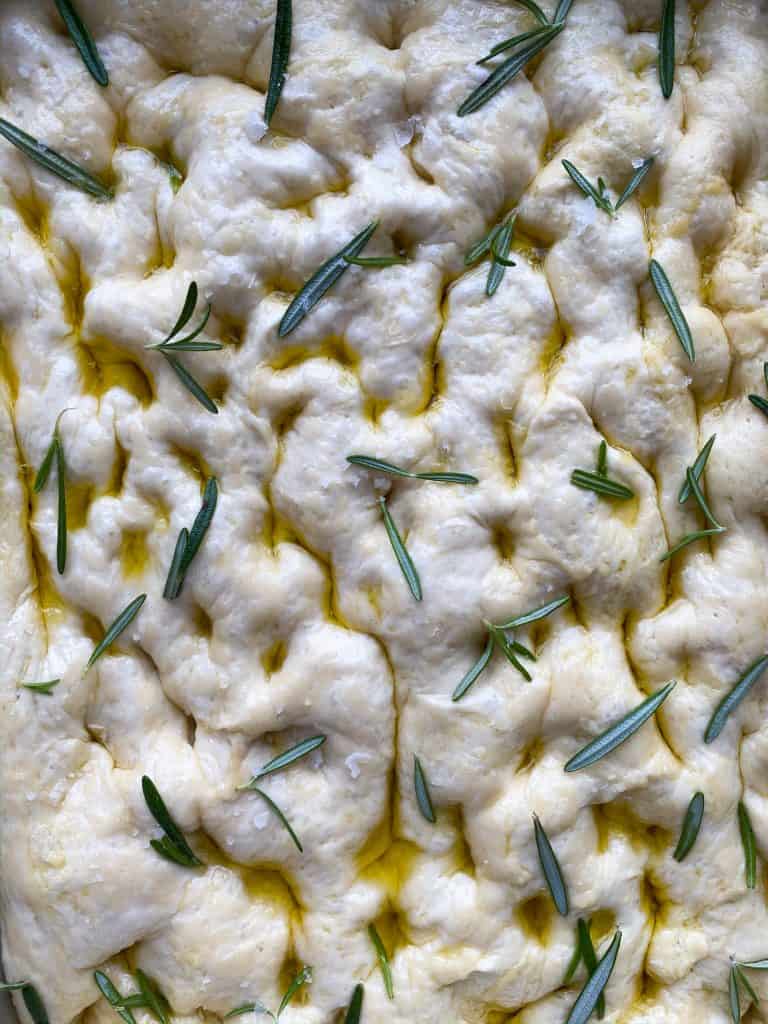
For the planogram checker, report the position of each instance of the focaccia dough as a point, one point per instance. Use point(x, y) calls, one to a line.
point(295, 618)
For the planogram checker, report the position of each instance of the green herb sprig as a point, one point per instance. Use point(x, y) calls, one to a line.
point(690, 828)
point(756, 400)
point(497, 243)
point(497, 637)
point(121, 623)
point(54, 162)
point(303, 977)
point(620, 732)
point(288, 757)
point(55, 453)
point(550, 866)
point(281, 52)
point(733, 698)
point(599, 195)
point(749, 845)
point(83, 40)
point(322, 280)
point(355, 1008)
point(380, 466)
point(383, 959)
point(594, 987)
point(173, 846)
point(599, 482)
point(404, 560)
point(696, 469)
point(421, 788)
point(737, 979)
point(168, 348)
point(692, 486)
point(45, 688)
point(113, 997)
point(188, 543)
point(278, 813)
point(668, 299)
point(667, 49)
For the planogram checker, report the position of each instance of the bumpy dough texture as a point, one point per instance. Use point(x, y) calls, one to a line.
point(295, 618)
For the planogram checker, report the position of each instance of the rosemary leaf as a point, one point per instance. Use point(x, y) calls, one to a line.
point(733, 698)
point(690, 538)
point(509, 44)
point(733, 995)
point(200, 525)
point(506, 71)
point(323, 279)
point(123, 620)
point(551, 868)
point(54, 162)
point(536, 614)
point(379, 465)
point(288, 757)
point(669, 301)
point(34, 1004)
point(154, 999)
point(281, 817)
point(45, 467)
point(113, 997)
point(573, 963)
point(281, 50)
point(589, 956)
point(190, 301)
point(589, 190)
point(602, 459)
point(172, 586)
point(254, 1007)
point(743, 980)
point(401, 552)
point(562, 12)
point(601, 485)
point(376, 261)
point(634, 182)
point(188, 344)
point(481, 248)
point(300, 979)
point(691, 825)
point(355, 1007)
point(587, 999)
point(697, 469)
point(190, 383)
point(620, 731)
point(667, 49)
point(61, 514)
point(754, 965)
point(501, 243)
point(475, 671)
point(83, 40)
point(750, 848)
point(45, 688)
point(12, 986)
point(381, 956)
point(504, 646)
point(696, 491)
point(173, 833)
point(423, 799)
point(759, 403)
point(536, 11)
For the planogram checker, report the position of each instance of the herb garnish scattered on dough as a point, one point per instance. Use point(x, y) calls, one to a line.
point(45, 688)
point(301, 978)
point(600, 194)
point(669, 301)
point(692, 486)
point(497, 243)
point(690, 828)
point(54, 162)
point(599, 481)
point(280, 816)
point(756, 400)
point(355, 1008)
point(383, 959)
point(553, 875)
point(733, 698)
point(173, 846)
point(737, 979)
point(188, 543)
point(380, 466)
point(421, 787)
point(123, 620)
point(404, 560)
point(83, 40)
point(588, 998)
point(620, 732)
point(497, 637)
point(56, 452)
point(667, 49)
point(749, 845)
point(281, 52)
point(288, 757)
point(697, 469)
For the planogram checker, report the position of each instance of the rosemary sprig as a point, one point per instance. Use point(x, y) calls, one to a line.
point(423, 798)
point(173, 846)
point(691, 825)
point(690, 538)
point(587, 999)
point(743, 980)
point(497, 243)
point(506, 71)
point(697, 469)
point(34, 1004)
point(750, 848)
point(553, 874)
point(45, 688)
point(83, 40)
point(536, 11)
point(281, 51)
point(667, 49)
point(294, 753)
point(201, 524)
point(188, 343)
point(588, 481)
point(383, 959)
point(123, 620)
point(280, 816)
point(754, 965)
point(56, 452)
point(759, 403)
point(733, 995)
point(151, 997)
point(172, 586)
point(701, 501)
point(573, 963)
point(12, 986)
point(193, 386)
point(602, 459)
point(669, 301)
point(54, 162)
point(733, 698)
point(634, 183)
point(375, 262)
point(355, 1008)
point(509, 44)
point(380, 466)
point(113, 997)
point(620, 731)
point(562, 11)
point(301, 978)
point(497, 637)
point(322, 280)
point(589, 956)
point(597, 195)
point(401, 552)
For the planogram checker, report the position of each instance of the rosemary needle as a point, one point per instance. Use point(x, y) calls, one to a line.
point(54, 162)
point(634, 182)
point(750, 848)
point(383, 959)
point(550, 866)
point(733, 698)
point(669, 301)
point(288, 757)
point(34, 1004)
point(112, 996)
point(45, 688)
point(423, 798)
point(83, 40)
point(589, 956)
point(587, 999)
point(379, 465)
point(281, 51)
point(280, 816)
point(355, 1008)
point(173, 846)
point(697, 469)
point(401, 552)
point(667, 49)
point(691, 826)
point(123, 620)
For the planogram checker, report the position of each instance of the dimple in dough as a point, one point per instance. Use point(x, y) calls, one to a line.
point(295, 618)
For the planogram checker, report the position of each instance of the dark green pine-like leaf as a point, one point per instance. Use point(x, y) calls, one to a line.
point(483, 247)
point(423, 798)
point(562, 11)
point(743, 980)
point(193, 386)
point(601, 485)
point(322, 280)
point(553, 874)
point(669, 301)
point(620, 731)
point(749, 845)
point(154, 999)
point(697, 469)
point(280, 816)
point(691, 825)
point(667, 49)
point(534, 616)
point(355, 1007)
point(691, 538)
point(45, 467)
point(511, 43)
point(12, 986)
point(508, 650)
point(501, 244)
point(379, 465)
point(281, 52)
point(733, 996)
point(701, 501)
point(404, 560)
point(733, 698)
point(595, 985)
point(83, 40)
point(598, 197)
point(383, 959)
point(473, 674)
point(536, 11)
point(300, 979)
point(46, 688)
point(173, 582)
point(589, 956)
point(759, 403)
point(634, 182)
point(174, 845)
point(34, 1004)
point(54, 162)
point(113, 997)
point(123, 620)
point(61, 514)
point(288, 757)
point(201, 524)
point(573, 963)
